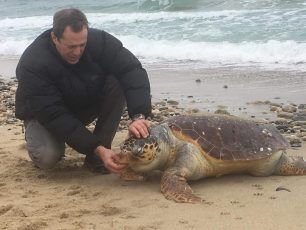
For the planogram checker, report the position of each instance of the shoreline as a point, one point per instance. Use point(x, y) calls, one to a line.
point(7, 67)
point(209, 89)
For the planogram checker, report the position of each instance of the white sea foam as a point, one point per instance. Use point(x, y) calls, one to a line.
point(271, 52)
point(27, 22)
point(13, 47)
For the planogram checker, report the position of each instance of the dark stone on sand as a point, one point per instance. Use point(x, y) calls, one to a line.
point(289, 108)
point(296, 145)
point(295, 141)
point(275, 104)
point(198, 80)
point(160, 103)
point(302, 106)
point(4, 87)
point(274, 108)
point(285, 115)
point(163, 108)
point(222, 111)
point(285, 128)
point(192, 111)
point(172, 102)
point(300, 123)
point(300, 116)
point(281, 188)
point(225, 86)
point(281, 121)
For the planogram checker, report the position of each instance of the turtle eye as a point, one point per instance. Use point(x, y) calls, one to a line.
point(137, 151)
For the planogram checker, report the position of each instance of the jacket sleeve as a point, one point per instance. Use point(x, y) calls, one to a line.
point(132, 76)
point(44, 101)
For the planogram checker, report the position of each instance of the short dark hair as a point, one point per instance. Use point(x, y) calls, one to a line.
point(72, 17)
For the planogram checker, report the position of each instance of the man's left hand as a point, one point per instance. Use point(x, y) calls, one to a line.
point(139, 128)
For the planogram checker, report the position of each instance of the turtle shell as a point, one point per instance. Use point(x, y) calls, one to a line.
point(227, 137)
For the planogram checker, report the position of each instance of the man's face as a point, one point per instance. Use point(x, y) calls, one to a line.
point(71, 45)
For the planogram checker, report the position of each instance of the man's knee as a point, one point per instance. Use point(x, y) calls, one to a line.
point(43, 148)
point(43, 158)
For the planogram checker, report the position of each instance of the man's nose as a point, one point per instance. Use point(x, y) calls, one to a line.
point(77, 51)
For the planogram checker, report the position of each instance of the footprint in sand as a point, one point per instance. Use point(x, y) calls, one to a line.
point(235, 202)
point(35, 225)
point(41, 176)
point(183, 221)
point(64, 215)
point(257, 186)
point(82, 212)
point(141, 203)
point(258, 194)
point(18, 212)
point(76, 189)
point(163, 206)
point(109, 210)
point(4, 209)
point(72, 193)
point(128, 216)
point(208, 203)
point(50, 206)
point(225, 213)
point(97, 194)
point(22, 146)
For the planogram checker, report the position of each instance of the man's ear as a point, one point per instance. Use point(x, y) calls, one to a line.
point(54, 38)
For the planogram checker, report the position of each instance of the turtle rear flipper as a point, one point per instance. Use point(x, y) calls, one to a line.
point(176, 188)
point(290, 165)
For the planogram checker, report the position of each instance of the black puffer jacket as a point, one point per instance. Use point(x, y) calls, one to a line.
point(52, 91)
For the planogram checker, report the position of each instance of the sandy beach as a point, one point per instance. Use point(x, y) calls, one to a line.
point(70, 197)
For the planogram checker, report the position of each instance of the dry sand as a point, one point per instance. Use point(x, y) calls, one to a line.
point(69, 197)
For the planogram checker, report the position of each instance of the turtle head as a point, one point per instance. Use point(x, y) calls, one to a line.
point(139, 153)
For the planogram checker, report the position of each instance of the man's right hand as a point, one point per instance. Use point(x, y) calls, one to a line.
point(109, 159)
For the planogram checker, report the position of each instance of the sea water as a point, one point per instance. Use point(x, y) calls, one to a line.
point(210, 33)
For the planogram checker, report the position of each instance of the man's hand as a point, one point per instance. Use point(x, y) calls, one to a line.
point(139, 128)
point(109, 159)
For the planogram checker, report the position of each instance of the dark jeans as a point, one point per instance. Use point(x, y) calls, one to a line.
point(46, 150)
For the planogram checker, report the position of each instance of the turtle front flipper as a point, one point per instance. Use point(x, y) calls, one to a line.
point(129, 175)
point(176, 188)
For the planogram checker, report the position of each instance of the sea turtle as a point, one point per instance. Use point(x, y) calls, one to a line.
point(193, 147)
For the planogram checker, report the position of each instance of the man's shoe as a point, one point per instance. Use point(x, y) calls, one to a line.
point(94, 164)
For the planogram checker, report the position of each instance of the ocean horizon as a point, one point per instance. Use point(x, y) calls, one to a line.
point(203, 33)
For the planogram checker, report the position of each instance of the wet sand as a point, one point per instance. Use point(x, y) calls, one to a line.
point(234, 88)
point(206, 89)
